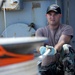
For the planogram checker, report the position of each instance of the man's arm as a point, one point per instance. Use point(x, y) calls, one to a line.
point(64, 39)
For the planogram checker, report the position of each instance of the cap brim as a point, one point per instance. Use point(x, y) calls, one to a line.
point(52, 10)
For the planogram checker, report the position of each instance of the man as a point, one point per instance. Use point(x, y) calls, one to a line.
point(58, 34)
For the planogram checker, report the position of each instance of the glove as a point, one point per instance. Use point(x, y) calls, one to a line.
point(52, 50)
point(66, 47)
point(42, 50)
point(45, 51)
point(48, 50)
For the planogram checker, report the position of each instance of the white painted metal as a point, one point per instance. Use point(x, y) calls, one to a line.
point(19, 40)
point(22, 45)
point(23, 68)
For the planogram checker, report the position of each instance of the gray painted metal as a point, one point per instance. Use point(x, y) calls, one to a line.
point(27, 15)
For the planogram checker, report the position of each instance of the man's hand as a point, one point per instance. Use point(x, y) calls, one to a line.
point(42, 50)
point(48, 50)
point(66, 48)
point(52, 50)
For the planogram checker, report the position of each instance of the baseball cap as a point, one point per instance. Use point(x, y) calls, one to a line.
point(55, 8)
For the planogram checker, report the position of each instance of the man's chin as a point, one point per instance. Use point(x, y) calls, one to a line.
point(52, 24)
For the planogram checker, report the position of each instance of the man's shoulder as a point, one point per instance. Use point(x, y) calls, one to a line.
point(42, 31)
point(65, 26)
point(43, 28)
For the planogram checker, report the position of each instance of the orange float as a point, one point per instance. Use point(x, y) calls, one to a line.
point(7, 58)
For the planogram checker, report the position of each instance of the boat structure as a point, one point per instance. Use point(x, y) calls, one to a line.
point(19, 19)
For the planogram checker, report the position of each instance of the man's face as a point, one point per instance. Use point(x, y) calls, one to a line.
point(53, 18)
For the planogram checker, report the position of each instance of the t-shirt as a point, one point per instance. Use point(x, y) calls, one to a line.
point(54, 35)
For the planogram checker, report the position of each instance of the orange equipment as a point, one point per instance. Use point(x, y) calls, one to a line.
point(7, 58)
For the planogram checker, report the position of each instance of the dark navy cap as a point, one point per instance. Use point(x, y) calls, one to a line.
point(55, 8)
